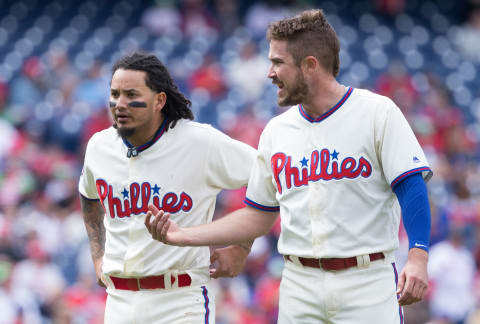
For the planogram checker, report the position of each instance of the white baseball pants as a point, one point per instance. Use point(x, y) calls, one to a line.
point(186, 305)
point(364, 295)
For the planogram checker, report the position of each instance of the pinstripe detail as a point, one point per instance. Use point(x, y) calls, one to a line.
point(400, 310)
point(206, 304)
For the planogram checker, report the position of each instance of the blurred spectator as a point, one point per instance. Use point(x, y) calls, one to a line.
point(46, 285)
point(3, 97)
point(27, 90)
point(468, 36)
point(91, 90)
point(197, 19)
point(163, 18)
point(60, 74)
point(227, 15)
point(208, 76)
point(261, 13)
point(390, 7)
point(397, 85)
point(248, 72)
point(451, 270)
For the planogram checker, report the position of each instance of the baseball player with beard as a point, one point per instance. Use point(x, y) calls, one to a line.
point(154, 154)
point(338, 166)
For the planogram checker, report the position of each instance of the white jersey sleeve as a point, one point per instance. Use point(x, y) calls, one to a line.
point(397, 147)
point(261, 191)
point(229, 162)
point(86, 184)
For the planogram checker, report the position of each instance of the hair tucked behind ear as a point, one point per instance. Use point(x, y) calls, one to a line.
point(158, 79)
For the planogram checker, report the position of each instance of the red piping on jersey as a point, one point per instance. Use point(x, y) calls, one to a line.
point(156, 137)
point(407, 173)
point(329, 112)
point(255, 205)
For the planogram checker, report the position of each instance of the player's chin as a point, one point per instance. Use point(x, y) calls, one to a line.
point(125, 131)
point(284, 101)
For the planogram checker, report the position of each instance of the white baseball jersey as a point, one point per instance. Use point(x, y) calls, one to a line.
point(331, 177)
point(180, 171)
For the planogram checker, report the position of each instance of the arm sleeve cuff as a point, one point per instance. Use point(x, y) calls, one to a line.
point(253, 204)
point(413, 198)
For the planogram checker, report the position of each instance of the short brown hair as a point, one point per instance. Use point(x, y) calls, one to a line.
point(309, 33)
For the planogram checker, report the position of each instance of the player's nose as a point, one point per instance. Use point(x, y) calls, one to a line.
point(121, 102)
point(271, 73)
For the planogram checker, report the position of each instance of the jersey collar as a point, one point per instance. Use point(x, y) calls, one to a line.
point(156, 137)
point(327, 113)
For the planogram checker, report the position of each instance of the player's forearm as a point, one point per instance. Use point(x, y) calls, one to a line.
point(238, 227)
point(93, 214)
point(246, 245)
point(413, 198)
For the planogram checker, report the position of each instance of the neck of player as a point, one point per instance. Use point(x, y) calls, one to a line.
point(322, 96)
point(145, 134)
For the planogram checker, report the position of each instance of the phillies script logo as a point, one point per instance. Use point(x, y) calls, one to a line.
point(320, 168)
point(135, 200)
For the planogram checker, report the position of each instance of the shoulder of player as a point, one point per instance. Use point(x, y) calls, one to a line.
point(106, 136)
point(369, 99)
point(195, 132)
point(193, 128)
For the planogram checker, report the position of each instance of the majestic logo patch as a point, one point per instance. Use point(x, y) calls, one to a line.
point(136, 199)
point(416, 160)
point(320, 168)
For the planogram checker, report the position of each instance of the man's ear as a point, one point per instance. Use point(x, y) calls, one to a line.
point(159, 101)
point(309, 64)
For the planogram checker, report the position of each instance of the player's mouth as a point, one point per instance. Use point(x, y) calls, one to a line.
point(122, 118)
point(278, 84)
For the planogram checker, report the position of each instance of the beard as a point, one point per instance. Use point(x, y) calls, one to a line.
point(295, 95)
point(124, 132)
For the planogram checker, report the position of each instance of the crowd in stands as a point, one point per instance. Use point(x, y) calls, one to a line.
point(55, 60)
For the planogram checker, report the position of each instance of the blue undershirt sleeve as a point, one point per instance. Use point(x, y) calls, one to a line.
point(413, 198)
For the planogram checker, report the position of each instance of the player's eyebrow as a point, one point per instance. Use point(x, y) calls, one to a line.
point(130, 90)
point(134, 91)
point(275, 60)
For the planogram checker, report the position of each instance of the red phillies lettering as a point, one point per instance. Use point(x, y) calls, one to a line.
point(169, 203)
point(115, 205)
point(102, 189)
point(186, 202)
point(144, 193)
point(277, 168)
point(136, 200)
point(321, 167)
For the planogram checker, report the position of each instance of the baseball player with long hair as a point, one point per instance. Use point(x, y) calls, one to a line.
point(338, 166)
point(155, 154)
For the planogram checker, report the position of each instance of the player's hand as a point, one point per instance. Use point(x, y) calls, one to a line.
point(162, 228)
point(99, 273)
point(413, 281)
point(228, 261)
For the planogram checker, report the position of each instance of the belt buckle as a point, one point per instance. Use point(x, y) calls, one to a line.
point(138, 283)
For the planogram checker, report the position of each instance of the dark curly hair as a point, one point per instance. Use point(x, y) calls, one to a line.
point(309, 33)
point(158, 79)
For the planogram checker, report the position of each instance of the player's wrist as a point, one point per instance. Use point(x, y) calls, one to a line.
point(246, 248)
point(418, 254)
